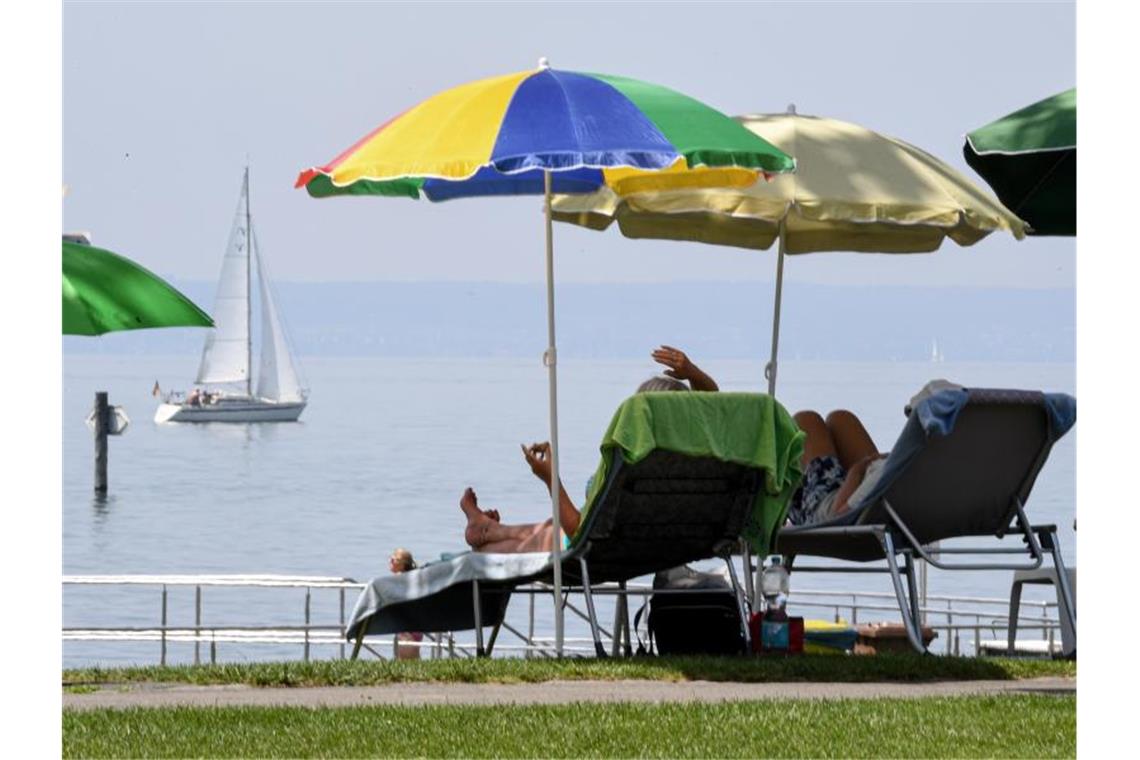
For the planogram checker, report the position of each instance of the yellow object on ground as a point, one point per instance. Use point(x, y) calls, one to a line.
point(823, 637)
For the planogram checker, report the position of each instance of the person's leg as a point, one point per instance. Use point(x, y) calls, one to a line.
point(852, 441)
point(541, 540)
point(537, 538)
point(483, 527)
point(818, 442)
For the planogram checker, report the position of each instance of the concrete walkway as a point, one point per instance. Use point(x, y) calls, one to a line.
point(553, 692)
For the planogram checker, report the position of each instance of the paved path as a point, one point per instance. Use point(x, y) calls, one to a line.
point(553, 692)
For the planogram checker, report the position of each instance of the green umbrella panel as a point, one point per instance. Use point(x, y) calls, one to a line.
point(104, 292)
point(1029, 158)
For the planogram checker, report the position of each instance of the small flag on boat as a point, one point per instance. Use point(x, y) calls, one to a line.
point(156, 391)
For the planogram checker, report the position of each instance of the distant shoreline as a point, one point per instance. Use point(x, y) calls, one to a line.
point(613, 321)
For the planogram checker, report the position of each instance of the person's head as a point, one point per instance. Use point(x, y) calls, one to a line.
point(662, 383)
point(401, 561)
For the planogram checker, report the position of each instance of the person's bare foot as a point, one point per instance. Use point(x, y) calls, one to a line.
point(477, 520)
point(469, 503)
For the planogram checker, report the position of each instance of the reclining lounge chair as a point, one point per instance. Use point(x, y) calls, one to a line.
point(963, 467)
point(683, 476)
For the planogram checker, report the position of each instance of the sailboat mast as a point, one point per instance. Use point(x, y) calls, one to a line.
point(248, 293)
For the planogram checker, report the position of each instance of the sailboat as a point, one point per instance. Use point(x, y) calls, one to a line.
point(224, 390)
point(935, 355)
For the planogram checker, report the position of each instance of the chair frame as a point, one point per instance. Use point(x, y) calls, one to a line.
point(576, 565)
point(895, 538)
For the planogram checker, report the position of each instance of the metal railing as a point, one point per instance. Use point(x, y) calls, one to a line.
point(306, 634)
point(953, 616)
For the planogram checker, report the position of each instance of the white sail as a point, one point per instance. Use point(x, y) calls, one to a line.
point(225, 358)
point(277, 379)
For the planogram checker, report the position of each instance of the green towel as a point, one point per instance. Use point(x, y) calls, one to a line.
point(746, 428)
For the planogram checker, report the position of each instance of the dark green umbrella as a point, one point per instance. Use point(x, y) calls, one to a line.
point(104, 292)
point(1029, 158)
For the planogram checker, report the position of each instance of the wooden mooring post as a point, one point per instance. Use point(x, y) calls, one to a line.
point(102, 425)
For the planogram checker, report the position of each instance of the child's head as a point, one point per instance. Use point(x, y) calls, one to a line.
point(401, 561)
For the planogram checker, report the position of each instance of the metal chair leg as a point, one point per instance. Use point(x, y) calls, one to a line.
point(478, 619)
point(912, 588)
point(1014, 611)
point(498, 625)
point(625, 623)
point(915, 637)
point(619, 603)
point(1066, 606)
point(741, 603)
point(598, 648)
point(749, 579)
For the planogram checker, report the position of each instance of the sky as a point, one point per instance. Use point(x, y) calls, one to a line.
point(164, 102)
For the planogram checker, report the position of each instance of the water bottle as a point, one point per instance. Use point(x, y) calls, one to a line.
point(774, 580)
point(774, 625)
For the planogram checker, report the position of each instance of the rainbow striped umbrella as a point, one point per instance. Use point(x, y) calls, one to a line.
point(543, 131)
point(499, 136)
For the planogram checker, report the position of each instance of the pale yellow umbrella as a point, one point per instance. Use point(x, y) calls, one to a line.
point(853, 190)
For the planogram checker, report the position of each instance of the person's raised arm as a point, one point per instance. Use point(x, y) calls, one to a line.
point(538, 457)
point(682, 368)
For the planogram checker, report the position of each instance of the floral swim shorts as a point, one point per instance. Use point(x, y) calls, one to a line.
point(813, 500)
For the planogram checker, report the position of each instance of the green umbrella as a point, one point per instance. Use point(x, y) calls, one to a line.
point(1029, 158)
point(104, 292)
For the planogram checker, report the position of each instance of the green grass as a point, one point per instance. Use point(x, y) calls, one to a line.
point(81, 688)
point(992, 726)
point(903, 667)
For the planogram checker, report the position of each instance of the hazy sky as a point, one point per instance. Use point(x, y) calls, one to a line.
point(163, 102)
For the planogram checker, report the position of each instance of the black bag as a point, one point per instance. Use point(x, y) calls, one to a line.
point(693, 623)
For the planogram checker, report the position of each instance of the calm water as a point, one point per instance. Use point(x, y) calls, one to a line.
point(379, 460)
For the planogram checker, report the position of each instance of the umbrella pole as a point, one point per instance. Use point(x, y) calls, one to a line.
point(770, 369)
point(551, 362)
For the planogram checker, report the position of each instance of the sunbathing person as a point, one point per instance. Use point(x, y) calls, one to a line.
point(486, 533)
point(406, 643)
point(681, 368)
point(840, 461)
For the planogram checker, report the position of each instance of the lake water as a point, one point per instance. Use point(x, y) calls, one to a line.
point(379, 460)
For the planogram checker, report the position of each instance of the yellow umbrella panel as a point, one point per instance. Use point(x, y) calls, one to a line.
point(853, 190)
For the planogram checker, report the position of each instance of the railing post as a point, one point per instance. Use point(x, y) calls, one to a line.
point(949, 626)
point(308, 600)
point(197, 623)
point(342, 632)
point(530, 630)
point(162, 656)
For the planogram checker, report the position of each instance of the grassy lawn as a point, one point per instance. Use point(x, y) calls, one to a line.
point(903, 667)
point(993, 726)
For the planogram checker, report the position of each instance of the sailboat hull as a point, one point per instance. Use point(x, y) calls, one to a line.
point(232, 410)
point(227, 357)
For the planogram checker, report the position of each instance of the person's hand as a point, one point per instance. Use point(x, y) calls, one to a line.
point(679, 365)
point(538, 457)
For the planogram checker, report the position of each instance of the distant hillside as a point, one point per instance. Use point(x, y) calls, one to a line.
point(724, 320)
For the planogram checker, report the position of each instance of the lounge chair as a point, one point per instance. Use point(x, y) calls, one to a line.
point(683, 477)
point(963, 467)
